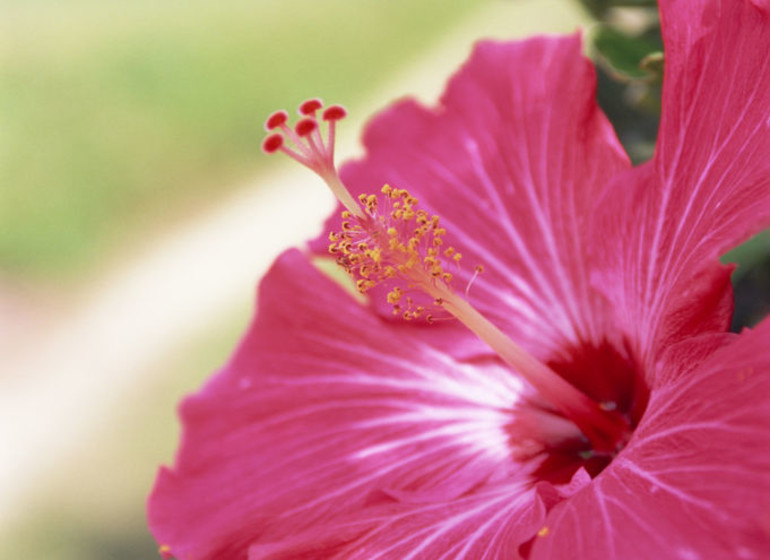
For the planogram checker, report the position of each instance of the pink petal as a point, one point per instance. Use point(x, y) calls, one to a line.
point(713, 154)
point(694, 482)
point(708, 187)
point(493, 522)
point(512, 160)
point(487, 524)
point(324, 409)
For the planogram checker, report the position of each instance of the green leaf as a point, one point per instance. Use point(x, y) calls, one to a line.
point(600, 7)
point(630, 57)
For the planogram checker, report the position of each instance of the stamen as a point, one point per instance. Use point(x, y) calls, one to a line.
point(389, 240)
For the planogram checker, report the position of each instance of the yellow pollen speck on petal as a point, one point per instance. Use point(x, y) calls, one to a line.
point(543, 532)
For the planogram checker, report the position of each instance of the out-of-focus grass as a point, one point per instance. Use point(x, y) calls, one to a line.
point(120, 116)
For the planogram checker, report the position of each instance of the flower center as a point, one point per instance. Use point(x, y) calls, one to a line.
point(391, 241)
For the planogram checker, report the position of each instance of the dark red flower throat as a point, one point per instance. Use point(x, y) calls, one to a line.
point(610, 377)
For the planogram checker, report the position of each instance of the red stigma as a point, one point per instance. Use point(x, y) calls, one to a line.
point(334, 113)
point(276, 119)
point(310, 106)
point(272, 143)
point(305, 126)
point(309, 141)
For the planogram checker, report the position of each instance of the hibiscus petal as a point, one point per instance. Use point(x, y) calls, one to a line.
point(708, 187)
point(488, 524)
point(326, 408)
point(512, 161)
point(498, 521)
point(693, 483)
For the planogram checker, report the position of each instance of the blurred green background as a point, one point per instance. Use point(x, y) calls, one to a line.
point(125, 115)
point(125, 119)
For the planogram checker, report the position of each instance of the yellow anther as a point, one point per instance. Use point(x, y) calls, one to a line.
point(375, 255)
point(363, 285)
point(395, 296)
point(398, 242)
point(479, 268)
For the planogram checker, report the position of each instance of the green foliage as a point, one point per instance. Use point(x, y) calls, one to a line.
point(625, 54)
point(627, 47)
point(599, 8)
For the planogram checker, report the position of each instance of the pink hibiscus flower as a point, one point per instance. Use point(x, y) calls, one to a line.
point(603, 411)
